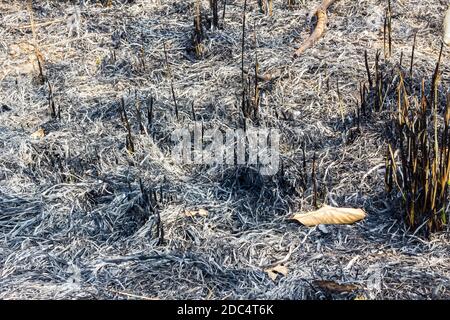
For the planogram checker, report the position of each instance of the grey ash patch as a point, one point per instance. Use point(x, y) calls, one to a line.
point(81, 217)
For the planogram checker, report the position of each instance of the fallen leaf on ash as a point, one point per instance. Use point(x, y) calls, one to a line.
point(199, 212)
point(38, 134)
point(273, 272)
point(330, 215)
point(334, 287)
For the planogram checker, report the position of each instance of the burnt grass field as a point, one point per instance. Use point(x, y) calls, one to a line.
point(92, 205)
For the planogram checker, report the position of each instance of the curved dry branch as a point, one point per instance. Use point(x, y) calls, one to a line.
point(321, 13)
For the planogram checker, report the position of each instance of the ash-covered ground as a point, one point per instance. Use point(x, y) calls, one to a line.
point(82, 217)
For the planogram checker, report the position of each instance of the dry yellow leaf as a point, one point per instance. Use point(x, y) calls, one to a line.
point(199, 212)
point(40, 133)
point(360, 298)
point(273, 272)
point(330, 215)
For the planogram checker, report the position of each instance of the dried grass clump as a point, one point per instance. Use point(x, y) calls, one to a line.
point(422, 138)
point(416, 114)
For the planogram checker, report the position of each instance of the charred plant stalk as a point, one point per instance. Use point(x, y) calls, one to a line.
point(304, 173)
point(137, 106)
point(412, 58)
point(51, 102)
point(169, 72)
point(243, 42)
point(37, 52)
point(314, 181)
point(367, 69)
point(194, 117)
point(245, 102)
point(197, 37)
point(390, 27)
point(215, 12)
point(256, 97)
point(150, 115)
point(129, 138)
point(224, 11)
